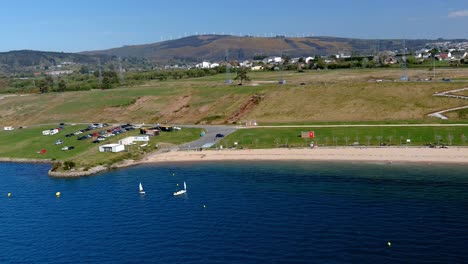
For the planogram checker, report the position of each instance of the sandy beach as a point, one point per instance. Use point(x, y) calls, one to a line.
point(388, 155)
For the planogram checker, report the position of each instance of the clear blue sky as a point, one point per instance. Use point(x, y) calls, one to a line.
point(70, 26)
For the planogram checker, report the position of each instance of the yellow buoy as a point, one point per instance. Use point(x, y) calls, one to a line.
point(9, 195)
point(57, 194)
point(389, 244)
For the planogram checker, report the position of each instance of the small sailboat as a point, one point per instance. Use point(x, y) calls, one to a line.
point(141, 189)
point(181, 191)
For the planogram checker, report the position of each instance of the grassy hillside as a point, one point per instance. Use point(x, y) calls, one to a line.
point(318, 96)
point(214, 47)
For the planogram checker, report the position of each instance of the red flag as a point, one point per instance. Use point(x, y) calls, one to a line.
point(311, 134)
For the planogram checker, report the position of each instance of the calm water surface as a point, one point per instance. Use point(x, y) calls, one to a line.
point(281, 212)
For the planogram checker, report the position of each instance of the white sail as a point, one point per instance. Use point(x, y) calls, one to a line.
point(181, 191)
point(141, 187)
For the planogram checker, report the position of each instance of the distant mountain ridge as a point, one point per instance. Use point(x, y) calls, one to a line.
point(208, 47)
point(215, 47)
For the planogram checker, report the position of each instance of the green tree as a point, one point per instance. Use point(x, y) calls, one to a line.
point(62, 86)
point(84, 69)
point(68, 165)
point(320, 64)
point(43, 86)
point(106, 83)
point(411, 60)
point(242, 75)
point(109, 79)
point(50, 81)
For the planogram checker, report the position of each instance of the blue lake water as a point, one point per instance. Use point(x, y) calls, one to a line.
point(262, 212)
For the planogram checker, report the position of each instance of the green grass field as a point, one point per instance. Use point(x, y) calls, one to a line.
point(345, 136)
point(93, 157)
point(28, 142)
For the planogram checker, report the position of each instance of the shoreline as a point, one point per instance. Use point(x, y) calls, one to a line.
point(20, 160)
point(386, 154)
point(389, 155)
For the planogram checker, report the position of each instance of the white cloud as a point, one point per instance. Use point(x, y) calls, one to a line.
point(460, 13)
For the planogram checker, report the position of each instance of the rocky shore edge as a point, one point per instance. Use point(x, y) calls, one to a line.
point(17, 160)
point(94, 170)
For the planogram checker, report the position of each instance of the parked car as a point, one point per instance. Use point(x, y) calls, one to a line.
point(219, 135)
point(82, 137)
point(96, 141)
point(58, 142)
point(71, 147)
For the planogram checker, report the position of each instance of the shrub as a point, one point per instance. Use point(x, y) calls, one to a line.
point(56, 165)
point(68, 165)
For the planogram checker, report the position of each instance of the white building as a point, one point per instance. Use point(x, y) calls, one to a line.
point(8, 128)
point(57, 73)
point(342, 56)
point(257, 68)
point(111, 148)
point(130, 140)
point(308, 59)
point(246, 64)
point(214, 65)
point(273, 60)
point(203, 65)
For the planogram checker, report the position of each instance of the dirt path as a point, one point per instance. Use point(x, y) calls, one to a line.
point(248, 106)
point(439, 114)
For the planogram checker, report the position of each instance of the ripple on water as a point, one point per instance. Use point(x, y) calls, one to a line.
point(291, 212)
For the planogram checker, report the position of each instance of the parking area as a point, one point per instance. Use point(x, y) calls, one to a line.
point(213, 134)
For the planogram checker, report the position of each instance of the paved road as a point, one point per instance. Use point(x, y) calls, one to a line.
point(359, 125)
point(210, 136)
